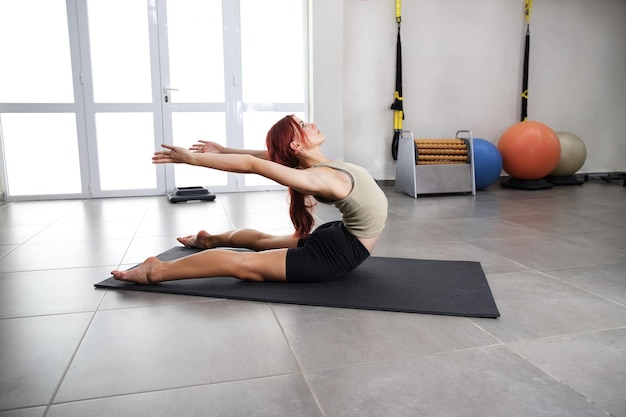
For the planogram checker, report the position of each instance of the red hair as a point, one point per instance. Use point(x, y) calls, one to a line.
point(278, 142)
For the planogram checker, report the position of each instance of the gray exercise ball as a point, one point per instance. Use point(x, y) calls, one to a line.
point(573, 155)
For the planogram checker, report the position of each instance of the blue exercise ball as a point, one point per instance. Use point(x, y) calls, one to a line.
point(487, 163)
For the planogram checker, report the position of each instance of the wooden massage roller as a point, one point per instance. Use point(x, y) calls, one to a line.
point(441, 151)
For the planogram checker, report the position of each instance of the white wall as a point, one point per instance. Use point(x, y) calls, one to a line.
point(462, 63)
point(327, 72)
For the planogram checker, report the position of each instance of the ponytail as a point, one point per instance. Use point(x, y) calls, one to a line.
point(278, 142)
point(300, 211)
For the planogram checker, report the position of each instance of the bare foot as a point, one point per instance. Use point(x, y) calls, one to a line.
point(143, 274)
point(201, 240)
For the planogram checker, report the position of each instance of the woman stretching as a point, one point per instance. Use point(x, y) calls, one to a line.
point(293, 159)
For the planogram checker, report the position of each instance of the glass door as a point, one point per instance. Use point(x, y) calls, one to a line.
point(122, 96)
point(80, 107)
point(273, 69)
point(40, 102)
point(232, 70)
point(193, 96)
point(95, 86)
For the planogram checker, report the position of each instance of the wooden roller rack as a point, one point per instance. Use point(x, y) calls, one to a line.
point(435, 166)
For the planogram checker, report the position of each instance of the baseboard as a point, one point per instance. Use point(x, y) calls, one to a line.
point(386, 183)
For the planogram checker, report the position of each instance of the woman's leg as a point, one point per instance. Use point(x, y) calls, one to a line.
point(268, 265)
point(241, 238)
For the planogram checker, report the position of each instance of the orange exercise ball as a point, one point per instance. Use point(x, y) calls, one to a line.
point(530, 150)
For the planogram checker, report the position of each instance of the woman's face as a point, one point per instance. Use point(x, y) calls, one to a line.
point(313, 136)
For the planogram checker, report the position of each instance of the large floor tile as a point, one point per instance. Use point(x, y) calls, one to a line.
point(608, 281)
point(490, 261)
point(243, 206)
point(266, 201)
point(548, 252)
point(592, 206)
point(108, 210)
point(612, 240)
point(143, 247)
point(612, 216)
point(182, 226)
point(556, 222)
point(34, 354)
point(265, 397)
point(36, 212)
point(593, 364)
point(528, 197)
point(324, 213)
point(334, 337)
point(61, 232)
point(16, 235)
point(63, 255)
point(470, 229)
point(6, 249)
point(534, 305)
point(162, 208)
point(471, 383)
point(57, 291)
point(113, 299)
point(422, 210)
point(396, 232)
point(24, 412)
point(610, 195)
point(270, 221)
point(498, 208)
point(155, 348)
point(569, 202)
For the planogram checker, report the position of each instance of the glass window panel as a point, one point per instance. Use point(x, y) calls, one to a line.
point(35, 51)
point(255, 127)
point(120, 51)
point(125, 149)
point(189, 128)
point(41, 153)
point(273, 51)
point(196, 51)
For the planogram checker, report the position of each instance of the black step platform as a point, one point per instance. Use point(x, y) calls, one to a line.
point(520, 184)
point(184, 194)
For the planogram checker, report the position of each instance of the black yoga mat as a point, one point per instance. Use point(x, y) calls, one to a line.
point(455, 288)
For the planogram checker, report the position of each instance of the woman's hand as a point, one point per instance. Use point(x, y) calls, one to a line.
point(206, 146)
point(173, 155)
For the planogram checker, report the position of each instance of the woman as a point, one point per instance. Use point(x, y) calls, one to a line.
point(294, 159)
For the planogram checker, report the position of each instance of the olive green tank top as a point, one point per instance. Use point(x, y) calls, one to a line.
point(364, 209)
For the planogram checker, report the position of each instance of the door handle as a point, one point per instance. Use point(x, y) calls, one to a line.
point(166, 93)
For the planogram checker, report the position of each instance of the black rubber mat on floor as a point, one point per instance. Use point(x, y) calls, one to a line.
point(456, 288)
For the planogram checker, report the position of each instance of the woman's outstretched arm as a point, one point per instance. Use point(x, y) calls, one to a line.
point(205, 146)
point(323, 182)
point(240, 163)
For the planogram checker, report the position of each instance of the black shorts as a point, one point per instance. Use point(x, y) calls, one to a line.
point(327, 254)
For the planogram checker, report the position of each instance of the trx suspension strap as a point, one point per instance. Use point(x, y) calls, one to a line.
point(398, 111)
point(527, 11)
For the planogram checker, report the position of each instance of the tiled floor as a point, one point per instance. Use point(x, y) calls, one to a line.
point(555, 260)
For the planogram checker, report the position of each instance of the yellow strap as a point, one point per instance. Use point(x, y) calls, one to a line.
point(399, 10)
point(528, 10)
point(397, 120)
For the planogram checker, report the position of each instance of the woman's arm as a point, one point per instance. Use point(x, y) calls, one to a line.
point(205, 146)
point(323, 182)
point(221, 161)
